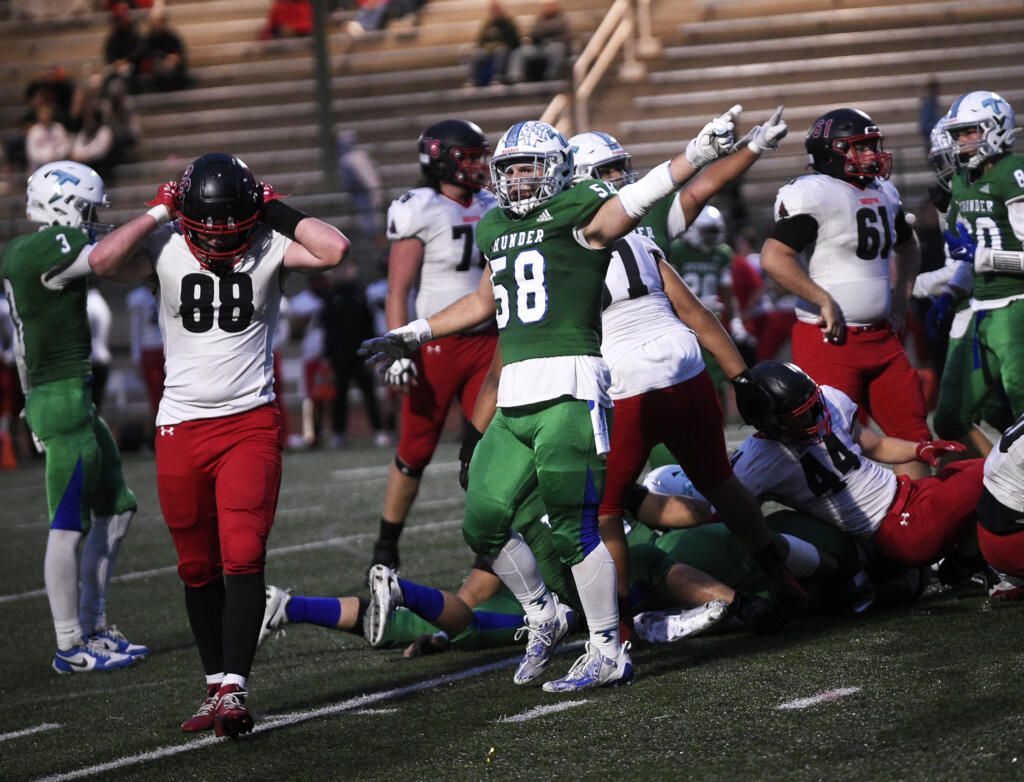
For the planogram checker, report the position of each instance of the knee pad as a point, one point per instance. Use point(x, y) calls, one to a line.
point(408, 470)
point(197, 574)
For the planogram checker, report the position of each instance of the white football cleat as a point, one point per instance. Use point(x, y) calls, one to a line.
point(90, 656)
point(674, 624)
point(113, 640)
point(385, 596)
point(541, 640)
point(593, 669)
point(275, 614)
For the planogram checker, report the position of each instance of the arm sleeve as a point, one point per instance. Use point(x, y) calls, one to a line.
point(798, 232)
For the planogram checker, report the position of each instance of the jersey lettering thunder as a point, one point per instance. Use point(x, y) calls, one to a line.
point(830, 479)
point(452, 263)
point(218, 331)
point(856, 234)
point(644, 344)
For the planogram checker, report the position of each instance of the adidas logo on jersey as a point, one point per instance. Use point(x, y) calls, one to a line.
point(544, 216)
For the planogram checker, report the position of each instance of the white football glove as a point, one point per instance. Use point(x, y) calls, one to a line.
point(765, 136)
point(715, 139)
point(397, 343)
point(400, 373)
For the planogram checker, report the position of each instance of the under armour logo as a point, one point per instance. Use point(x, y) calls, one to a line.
point(166, 430)
point(904, 519)
point(433, 348)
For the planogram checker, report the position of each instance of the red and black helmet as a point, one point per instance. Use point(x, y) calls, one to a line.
point(220, 203)
point(830, 144)
point(798, 412)
point(455, 151)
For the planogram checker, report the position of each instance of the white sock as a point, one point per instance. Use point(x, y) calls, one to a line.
point(595, 581)
point(60, 571)
point(516, 566)
point(214, 678)
point(99, 554)
point(234, 678)
point(803, 557)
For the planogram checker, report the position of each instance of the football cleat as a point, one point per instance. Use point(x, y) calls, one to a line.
point(541, 641)
point(1009, 588)
point(90, 656)
point(113, 640)
point(593, 669)
point(231, 718)
point(275, 613)
point(674, 624)
point(385, 596)
point(203, 718)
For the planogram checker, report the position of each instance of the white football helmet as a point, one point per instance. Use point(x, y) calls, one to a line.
point(942, 154)
point(535, 144)
point(67, 193)
point(597, 153)
point(670, 479)
point(707, 231)
point(992, 115)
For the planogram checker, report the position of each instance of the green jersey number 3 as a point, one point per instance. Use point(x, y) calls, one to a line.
point(531, 295)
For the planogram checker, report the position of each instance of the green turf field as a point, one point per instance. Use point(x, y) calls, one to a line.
point(929, 693)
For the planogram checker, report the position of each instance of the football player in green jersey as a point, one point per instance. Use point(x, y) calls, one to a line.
point(44, 278)
point(548, 247)
point(986, 222)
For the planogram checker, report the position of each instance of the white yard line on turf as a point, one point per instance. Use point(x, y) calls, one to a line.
point(316, 544)
point(29, 731)
point(540, 711)
point(362, 473)
point(268, 722)
point(828, 695)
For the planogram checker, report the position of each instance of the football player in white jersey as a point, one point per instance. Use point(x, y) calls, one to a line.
point(810, 454)
point(219, 243)
point(847, 217)
point(661, 389)
point(1001, 513)
point(432, 229)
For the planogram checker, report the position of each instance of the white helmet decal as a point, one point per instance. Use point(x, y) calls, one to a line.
point(535, 144)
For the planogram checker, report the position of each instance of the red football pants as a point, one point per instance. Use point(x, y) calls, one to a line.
point(218, 482)
point(687, 417)
point(930, 515)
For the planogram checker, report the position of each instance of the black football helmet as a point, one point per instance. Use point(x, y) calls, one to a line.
point(220, 203)
point(830, 144)
point(455, 151)
point(798, 411)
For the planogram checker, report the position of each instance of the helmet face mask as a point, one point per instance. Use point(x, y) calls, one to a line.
point(455, 151)
point(67, 193)
point(980, 126)
point(220, 207)
point(599, 156)
point(942, 154)
point(798, 414)
point(846, 144)
point(532, 163)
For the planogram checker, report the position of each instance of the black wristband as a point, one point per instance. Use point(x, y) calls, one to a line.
point(282, 218)
point(743, 378)
point(469, 441)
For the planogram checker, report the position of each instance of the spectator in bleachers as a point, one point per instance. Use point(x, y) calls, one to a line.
point(93, 144)
point(288, 19)
point(930, 111)
point(162, 63)
point(123, 46)
point(119, 113)
point(545, 48)
point(360, 179)
point(498, 38)
point(53, 85)
point(46, 140)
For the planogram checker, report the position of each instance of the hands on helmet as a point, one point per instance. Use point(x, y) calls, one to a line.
point(929, 451)
point(166, 204)
point(715, 139)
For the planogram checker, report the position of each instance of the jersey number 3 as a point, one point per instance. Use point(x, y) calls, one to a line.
point(233, 306)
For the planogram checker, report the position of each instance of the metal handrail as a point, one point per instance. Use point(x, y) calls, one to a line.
point(570, 111)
